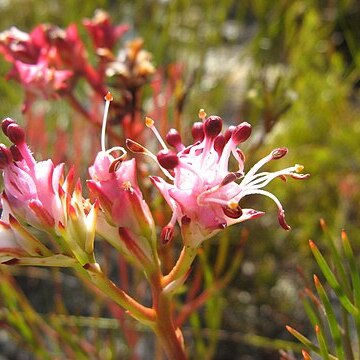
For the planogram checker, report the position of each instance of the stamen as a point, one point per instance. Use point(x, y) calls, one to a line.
point(232, 210)
point(256, 167)
point(108, 98)
point(229, 178)
point(137, 148)
point(260, 180)
point(149, 122)
point(281, 214)
point(114, 166)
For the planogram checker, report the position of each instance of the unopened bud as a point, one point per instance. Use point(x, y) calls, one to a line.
point(212, 126)
point(5, 123)
point(279, 153)
point(229, 132)
point(241, 133)
point(15, 134)
point(173, 138)
point(197, 131)
point(219, 144)
point(168, 159)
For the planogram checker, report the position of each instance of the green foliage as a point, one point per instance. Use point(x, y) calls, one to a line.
point(334, 309)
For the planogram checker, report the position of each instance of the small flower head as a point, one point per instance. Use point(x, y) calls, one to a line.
point(128, 221)
point(204, 195)
point(41, 80)
point(36, 194)
point(103, 34)
point(132, 66)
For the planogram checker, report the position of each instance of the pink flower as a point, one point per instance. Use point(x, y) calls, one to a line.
point(36, 194)
point(104, 35)
point(41, 80)
point(203, 193)
point(17, 45)
point(128, 223)
point(31, 188)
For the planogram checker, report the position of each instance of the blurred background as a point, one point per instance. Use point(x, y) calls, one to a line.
point(291, 69)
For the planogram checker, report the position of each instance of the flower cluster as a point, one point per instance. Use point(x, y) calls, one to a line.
point(36, 195)
point(203, 193)
point(49, 61)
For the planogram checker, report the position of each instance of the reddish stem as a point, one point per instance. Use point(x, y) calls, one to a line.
point(169, 336)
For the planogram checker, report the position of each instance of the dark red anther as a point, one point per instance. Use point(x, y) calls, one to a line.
point(212, 126)
point(168, 159)
point(279, 153)
point(282, 221)
point(167, 234)
point(241, 155)
point(5, 156)
point(5, 123)
point(197, 131)
point(15, 134)
point(15, 152)
point(219, 144)
point(241, 133)
point(233, 213)
point(185, 220)
point(134, 146)
point(229, 178)
point(173, 138)
point(229, 132)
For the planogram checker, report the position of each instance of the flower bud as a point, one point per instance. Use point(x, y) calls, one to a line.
point(212, 126)
point(197, 131)
point(173, 138)
point(168, 159)
point(219, 144)
point(241, 133)
point(15, 134)
point(229, 132)
point(5, 123)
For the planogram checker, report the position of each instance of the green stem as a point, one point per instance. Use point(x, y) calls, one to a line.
point(142, 313)
point(182, 266)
